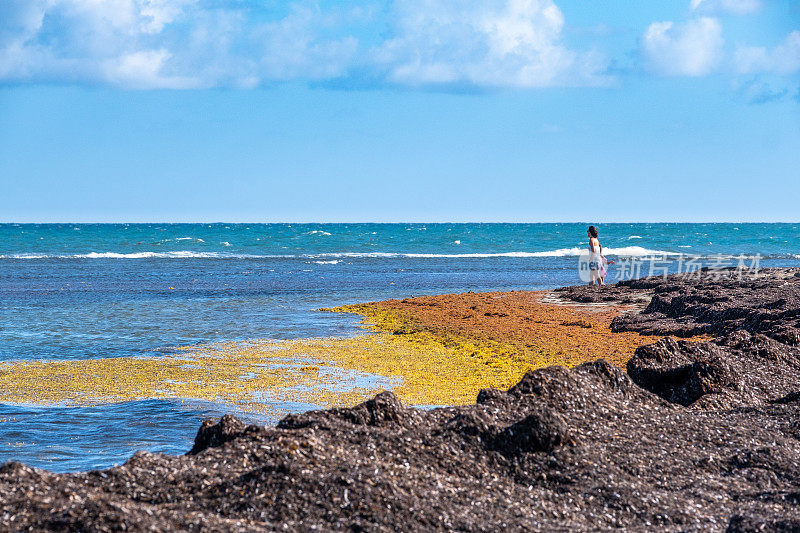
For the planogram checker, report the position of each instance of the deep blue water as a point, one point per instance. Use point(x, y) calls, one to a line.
point(95, 290)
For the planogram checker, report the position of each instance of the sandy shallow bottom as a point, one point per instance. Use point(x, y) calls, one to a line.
point(433, 350)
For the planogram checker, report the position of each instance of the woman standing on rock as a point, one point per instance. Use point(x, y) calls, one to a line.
point(597, 263)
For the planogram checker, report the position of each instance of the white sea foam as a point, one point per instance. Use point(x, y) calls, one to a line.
point(318, 232)
point(328, 258)
point(628, 251)
point(144, 255)
point(634, 237)
point(225, 243)
point(333, 262)
point(26, 256)
point(178, 239)
point(183, 254)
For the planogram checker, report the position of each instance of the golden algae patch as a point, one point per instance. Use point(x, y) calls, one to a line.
point(434, 350)
point(256, 375)
point(511, 328)
point(493, 339)
point(252, 375)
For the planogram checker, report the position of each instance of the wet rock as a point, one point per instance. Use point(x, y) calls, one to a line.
point(384, 409)
point(491, 395)
point(586, 385)
point(685, 306)
point(754, 524)
point(542, 431)
point(789, 398)
point(212, 434)
point(472, 424)
point(681, 372)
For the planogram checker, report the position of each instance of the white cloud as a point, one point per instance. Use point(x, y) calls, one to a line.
point(95, 41)
point(143, 44)
point(693, 48)
point(20, 20)
point(203, 43)
point(733, 7)
point(782, 59)
point(144, 70)
point(760, 91)
point(289, 49)
point(495, 43)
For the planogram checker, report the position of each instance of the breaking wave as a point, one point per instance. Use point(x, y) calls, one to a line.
point(117, 255)
point(329, 257)
point(628, 251)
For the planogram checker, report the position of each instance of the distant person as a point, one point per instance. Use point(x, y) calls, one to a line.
point(597, 263)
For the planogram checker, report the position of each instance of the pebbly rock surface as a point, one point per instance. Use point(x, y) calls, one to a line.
point(694, 437)
point(754, 323)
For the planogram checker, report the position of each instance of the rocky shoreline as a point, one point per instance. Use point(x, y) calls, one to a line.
point(694, 436)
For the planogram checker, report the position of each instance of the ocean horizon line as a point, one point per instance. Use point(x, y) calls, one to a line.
point(289, 222)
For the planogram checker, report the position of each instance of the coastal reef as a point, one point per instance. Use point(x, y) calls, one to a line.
point(692, 436)
point(754, 357)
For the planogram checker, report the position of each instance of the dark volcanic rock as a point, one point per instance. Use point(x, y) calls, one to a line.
point(754, 356)
point(542, 431)
point(681, 306)
point(636, 291)
point(682, 372)
point(212, 434)
point(563, 450)
point(738, 369)
point(384, 409)
point(753, 524)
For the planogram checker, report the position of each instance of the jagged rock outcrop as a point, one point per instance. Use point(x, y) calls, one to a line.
point(753, 356)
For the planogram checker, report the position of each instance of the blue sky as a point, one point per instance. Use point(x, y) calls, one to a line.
point(399, 110)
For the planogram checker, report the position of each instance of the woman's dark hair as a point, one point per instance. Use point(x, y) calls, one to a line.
point(593, 231)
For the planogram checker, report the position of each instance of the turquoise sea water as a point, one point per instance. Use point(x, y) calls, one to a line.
point(70, 291)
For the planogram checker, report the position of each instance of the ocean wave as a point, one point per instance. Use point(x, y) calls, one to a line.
point(634, 237)
point(180, 239)
point(628, 251)
point(334, 257)
point(184, 254)
point(145, 255)
point(318, 232)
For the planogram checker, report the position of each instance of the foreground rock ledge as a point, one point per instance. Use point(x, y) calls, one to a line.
point(709, 439)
